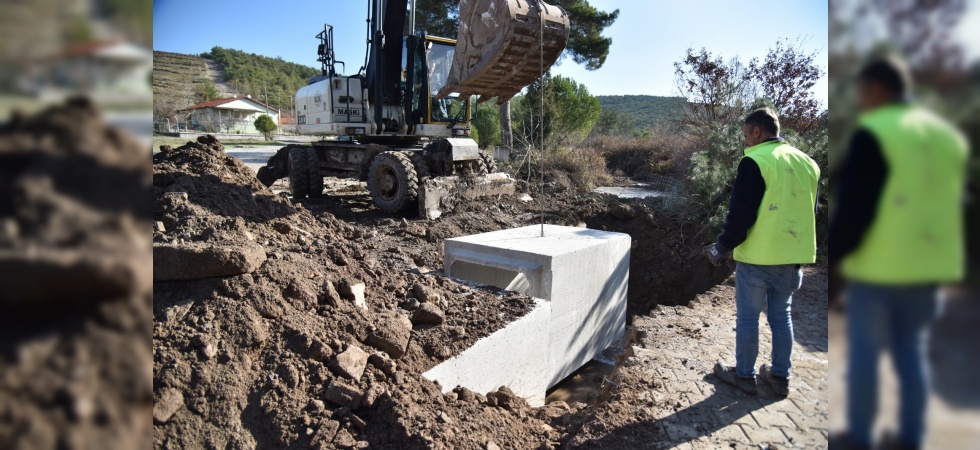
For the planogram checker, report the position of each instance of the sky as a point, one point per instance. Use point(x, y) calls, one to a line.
point(648, 37)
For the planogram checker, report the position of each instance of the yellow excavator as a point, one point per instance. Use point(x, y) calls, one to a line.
point(403, 120)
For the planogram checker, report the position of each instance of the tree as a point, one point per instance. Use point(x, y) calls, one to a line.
point(266, 126)
point(485, 125)
point(586, 44)
point(614, 123)
point(437, 17)
point(786, 77)
point(569, 115)
point(716, 90)
point(208, 91)
point(207, 119)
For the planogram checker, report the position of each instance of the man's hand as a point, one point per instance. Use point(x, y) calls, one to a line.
point(717, 253)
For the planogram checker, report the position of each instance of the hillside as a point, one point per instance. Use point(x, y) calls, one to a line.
point(259, 75)
point(176, 80)
point(646, 110)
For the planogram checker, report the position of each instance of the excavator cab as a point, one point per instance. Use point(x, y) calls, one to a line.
point(438, 57)
point(426, 63)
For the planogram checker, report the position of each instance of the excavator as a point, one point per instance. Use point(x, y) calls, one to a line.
point(402, 122)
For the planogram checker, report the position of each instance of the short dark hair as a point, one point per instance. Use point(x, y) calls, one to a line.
point(765, 119)
point(891, 72)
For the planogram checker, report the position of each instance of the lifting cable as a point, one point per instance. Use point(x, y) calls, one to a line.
point(541, 6)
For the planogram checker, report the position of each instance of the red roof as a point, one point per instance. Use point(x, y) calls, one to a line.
point(222, 101)
point(86, 48)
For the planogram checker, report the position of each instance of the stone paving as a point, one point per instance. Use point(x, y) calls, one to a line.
point(669, 386)
point(953, 420)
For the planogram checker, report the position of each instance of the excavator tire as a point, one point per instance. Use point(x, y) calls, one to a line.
point(489, 162)
point(421, 168)
point(298, 173)
point(393, 181)
point(315, 180)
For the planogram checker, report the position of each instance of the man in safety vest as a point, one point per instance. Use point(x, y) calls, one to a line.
point(770, 231)
point(896, 235)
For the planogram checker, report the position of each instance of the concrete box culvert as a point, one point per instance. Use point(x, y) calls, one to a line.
point(578, 278)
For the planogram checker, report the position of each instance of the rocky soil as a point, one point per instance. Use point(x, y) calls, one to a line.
point(75, 283)
point(308, 325)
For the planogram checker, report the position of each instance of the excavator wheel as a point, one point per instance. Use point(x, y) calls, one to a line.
point(298, 173)
point(474, 168)
point(489, 162)
point(421, 168)
point(393, 181)
point(304, 173)
point(315, 177)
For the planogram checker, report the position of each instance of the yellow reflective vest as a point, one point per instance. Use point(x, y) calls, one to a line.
point(784, 231)
point(917, 233)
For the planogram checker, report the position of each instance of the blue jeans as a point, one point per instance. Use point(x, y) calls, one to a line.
point(768, 288)
point(896, 317)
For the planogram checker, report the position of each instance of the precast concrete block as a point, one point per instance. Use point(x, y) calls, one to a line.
point(581, 275)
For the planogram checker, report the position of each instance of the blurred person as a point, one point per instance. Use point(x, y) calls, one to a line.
point(896, 236)
point(770, 231)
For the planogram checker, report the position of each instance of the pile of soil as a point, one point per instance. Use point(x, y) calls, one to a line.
point(308, 325)
point(76, 289)
point(286, 353)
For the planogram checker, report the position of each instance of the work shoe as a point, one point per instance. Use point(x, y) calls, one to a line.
point(779, 385)
point(728, 375)
point(840, 441)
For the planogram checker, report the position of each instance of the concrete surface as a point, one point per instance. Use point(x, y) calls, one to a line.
point(511, 357)
point(581, 273)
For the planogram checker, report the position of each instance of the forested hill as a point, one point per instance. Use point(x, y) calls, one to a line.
point(645, 110)
point(257, 75)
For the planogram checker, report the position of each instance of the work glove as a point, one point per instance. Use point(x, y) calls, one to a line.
point(717, 253)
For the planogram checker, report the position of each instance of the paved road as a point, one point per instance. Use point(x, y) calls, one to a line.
point(253, 156)
point(138, 123)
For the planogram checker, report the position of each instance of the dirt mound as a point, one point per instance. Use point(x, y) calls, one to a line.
point(219, 184)
point(76, 286)
point(312, 343)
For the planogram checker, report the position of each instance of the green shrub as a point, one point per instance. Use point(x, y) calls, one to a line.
point(265, 125)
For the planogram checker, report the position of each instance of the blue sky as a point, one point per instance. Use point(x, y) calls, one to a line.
point(648, 37)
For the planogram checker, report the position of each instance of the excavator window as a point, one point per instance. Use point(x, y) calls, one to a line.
point(439, 58)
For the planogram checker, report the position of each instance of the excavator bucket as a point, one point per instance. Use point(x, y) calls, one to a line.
point(500, 46)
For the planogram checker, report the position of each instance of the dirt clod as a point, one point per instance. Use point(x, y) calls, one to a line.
point(169, 402)
point(196, 261)
point(391, 336)
point(351, 362)
point(342, 394)
point(428, 314)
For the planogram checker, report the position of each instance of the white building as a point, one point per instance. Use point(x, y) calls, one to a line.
point(112, 72)
point(227, 115)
